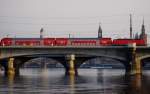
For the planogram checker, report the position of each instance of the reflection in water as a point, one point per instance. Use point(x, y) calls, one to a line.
point(134, 84)
point(138, 82)
point(89, 81)
point(72, 83)
point(10, 83)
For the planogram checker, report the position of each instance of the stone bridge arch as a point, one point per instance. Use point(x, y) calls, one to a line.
point(143, 58)
point(142, 53)
point(19, 61)
point(42, 61)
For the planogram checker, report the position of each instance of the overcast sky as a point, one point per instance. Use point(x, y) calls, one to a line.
point(80, 18)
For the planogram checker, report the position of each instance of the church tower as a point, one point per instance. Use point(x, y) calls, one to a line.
point(143, 30)
point(130, 26)
point(100, 32)
point(41, 33)
point(143, 35)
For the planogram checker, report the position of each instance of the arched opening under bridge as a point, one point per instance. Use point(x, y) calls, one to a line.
point(145, 64)
point(42, 62)
point(105, 64)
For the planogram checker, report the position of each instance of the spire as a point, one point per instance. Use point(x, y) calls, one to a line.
point(143, 35)
point(99, 32)
point(143, 20)
point(143, 27)
point(130, 26)
point(143, 30)
point(41, 33)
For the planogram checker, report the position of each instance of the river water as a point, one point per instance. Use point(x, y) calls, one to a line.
point(89, 81)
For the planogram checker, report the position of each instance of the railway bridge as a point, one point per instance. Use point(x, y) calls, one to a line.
point(71, 57)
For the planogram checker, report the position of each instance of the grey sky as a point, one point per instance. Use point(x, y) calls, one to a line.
point(80, 18)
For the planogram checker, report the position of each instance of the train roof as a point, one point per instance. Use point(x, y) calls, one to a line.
point(89, 38)
point(26, 38)
point(128, 39)
point(56, 38)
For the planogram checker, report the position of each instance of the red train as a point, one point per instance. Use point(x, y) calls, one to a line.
point(69, 42)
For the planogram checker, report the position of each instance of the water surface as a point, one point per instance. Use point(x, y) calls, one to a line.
point(89, 81)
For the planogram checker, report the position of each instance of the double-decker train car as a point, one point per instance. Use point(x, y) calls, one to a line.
point(122, 42)
point(82, 41)
point(27, 41)
point(90, 41)
point(21, 41)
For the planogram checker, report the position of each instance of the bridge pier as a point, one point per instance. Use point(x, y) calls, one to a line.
point(12, 67)
point(71, 70)
point(136, 66)
point(9, 69)
point(135, 62)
